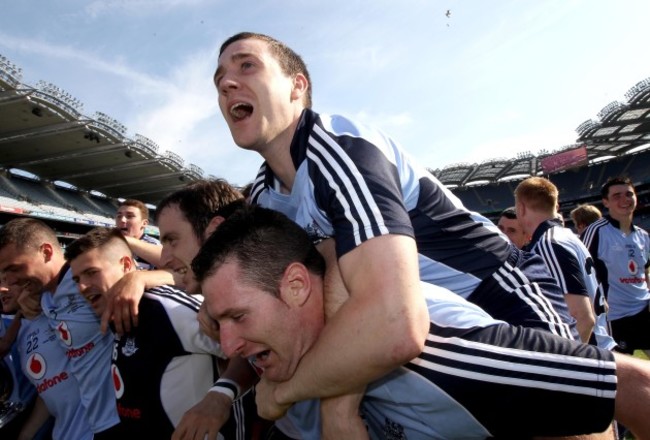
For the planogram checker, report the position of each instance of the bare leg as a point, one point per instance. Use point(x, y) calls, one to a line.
point(633, 395)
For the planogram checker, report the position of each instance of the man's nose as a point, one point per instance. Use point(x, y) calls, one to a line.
point(231, 344)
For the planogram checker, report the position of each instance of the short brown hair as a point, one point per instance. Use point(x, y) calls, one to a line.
point(26, 233)
point(144, 211)
point(93, 239)
point(202, 200)
point(538, 193)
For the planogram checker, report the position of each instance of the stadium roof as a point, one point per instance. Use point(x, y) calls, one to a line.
point(43, 131)
point(622, 128)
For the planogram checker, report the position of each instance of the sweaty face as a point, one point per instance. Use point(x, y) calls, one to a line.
point(256, 98)
point(620, 201)
point(180, 246)
point(254, 324)
point(95, 272)
point(24, 268)
point(129, 220)
point(513, 230)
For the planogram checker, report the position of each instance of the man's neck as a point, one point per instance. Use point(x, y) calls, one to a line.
point(625, 223)
point(278, 157)
point(57, 267)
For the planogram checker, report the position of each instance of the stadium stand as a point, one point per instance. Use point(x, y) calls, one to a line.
point(59, 165)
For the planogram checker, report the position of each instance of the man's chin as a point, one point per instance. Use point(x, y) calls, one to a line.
point(277, 375)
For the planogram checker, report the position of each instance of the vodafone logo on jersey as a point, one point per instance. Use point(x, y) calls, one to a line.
point(118, 383)
point(64, 333)
point(36, 366)
point(632, 267)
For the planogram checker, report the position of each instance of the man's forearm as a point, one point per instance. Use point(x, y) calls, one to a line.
point(147, 251)
point(381, 327)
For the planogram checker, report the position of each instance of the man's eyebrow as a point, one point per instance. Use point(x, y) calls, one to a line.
point(234, 57)
point(230, 311)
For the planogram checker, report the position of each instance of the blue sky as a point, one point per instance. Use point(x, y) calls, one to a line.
point(492, 79)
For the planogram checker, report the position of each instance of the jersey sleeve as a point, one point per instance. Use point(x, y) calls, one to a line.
point(89, 351)
point(182, 310)
point(565, 268)
point(357, 184)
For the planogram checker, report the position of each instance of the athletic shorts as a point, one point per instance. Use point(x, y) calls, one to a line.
point(523, 292)
point(519, 382)
point(632, 332)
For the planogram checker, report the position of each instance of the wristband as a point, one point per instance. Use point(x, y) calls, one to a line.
point(227, 387)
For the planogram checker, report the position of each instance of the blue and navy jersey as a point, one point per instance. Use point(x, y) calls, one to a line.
point(355, 183)
point(77, 328)
point(49, 369)
point(23, 391)
point(571, 265)
point(621, 262)
point(164, 366)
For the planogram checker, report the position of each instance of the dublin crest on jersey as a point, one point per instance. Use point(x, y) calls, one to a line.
point(315, 233)
point(129, 348)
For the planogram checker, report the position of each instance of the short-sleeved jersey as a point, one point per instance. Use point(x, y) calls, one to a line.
point(476, 378)
point(621, 261)
point(77, 327)
point(23, 391)
point(571, 265)
point(48, 368)
point(164, 366)
point(354, 183)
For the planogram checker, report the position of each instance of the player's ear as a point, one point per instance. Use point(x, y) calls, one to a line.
point(300, 87)
point(47, 251)
point(213, 225)
point(128, 264)
point(295, 286)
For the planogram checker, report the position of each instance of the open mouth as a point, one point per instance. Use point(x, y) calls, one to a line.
point(258, 360)
point(241, 111)
point(93, 298)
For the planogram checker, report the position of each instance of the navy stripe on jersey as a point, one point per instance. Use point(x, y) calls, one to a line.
point(591, 233)
point(561, 257)
point(591, 238)
point(176, 295)
point(513, 280)
point(354, 196)
point(258, 184)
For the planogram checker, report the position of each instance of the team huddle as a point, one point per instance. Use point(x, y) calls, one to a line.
point(346, 293)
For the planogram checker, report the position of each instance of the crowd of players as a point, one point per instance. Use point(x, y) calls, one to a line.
point(346, 294)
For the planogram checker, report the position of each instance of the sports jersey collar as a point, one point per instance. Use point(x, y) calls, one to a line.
point(62, 274)
point(542, 228)
point(617, 224)
point(301, 136)
point(298, 148)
